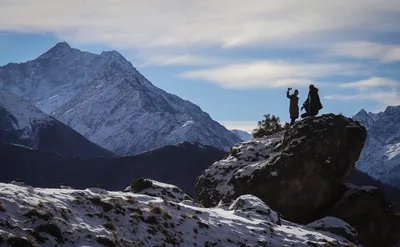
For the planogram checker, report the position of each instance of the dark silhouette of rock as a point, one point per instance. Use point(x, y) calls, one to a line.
point(370, 212)
point(363, 179)
point(296, 173)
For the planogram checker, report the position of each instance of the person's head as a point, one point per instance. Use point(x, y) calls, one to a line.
point(296, 92)
point(311, 86)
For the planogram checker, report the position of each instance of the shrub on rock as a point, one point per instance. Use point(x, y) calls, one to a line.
point(140, 184)
point(154, 188)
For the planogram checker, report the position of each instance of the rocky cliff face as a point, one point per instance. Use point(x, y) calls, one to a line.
point(301, 173)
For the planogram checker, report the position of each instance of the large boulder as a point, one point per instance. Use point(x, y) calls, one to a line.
point(297, 173)
point(336, 226)
point(369, 211)
point(250, 205)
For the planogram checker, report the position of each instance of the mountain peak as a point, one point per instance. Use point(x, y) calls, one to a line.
point(60, 49)
point(391, 109)
point(362, 112)
point(62, 45)
point(364, 118)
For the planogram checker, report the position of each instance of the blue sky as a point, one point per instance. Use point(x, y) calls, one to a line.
point(234, 59)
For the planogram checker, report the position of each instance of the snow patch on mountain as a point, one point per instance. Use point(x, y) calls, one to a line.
point(96, 217)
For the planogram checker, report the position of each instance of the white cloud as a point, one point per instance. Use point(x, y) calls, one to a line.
point(364, 49)
point(181, 60)
point(181, 23)
point(371, 82)
point(264, 73)
point(248, 126)
point(386, 98)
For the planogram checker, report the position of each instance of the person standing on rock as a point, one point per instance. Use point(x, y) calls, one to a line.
point(312, 105)
point(294, 105)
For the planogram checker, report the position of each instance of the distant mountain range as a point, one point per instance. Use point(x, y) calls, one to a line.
point(24, 124)
point(380, 157)
point(104, 98)
point(243, 135)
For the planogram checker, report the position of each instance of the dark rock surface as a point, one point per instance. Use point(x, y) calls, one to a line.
point(370, 212)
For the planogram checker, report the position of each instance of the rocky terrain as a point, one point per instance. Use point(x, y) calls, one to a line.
point(287, 189)
point(302, 174)
point(150, 213)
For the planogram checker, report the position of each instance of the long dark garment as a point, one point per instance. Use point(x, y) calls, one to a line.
point(294, 107)
point(312, 105)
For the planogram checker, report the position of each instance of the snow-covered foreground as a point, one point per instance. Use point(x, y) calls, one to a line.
point(95, 217)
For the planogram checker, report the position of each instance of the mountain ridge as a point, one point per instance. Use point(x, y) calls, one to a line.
point(108, 101)
point(381, 155)
point(24, 124)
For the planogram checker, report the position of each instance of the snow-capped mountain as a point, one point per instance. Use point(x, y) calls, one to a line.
point(381, 154)
point(107, 100)
point(243, 135)
point(24, 124)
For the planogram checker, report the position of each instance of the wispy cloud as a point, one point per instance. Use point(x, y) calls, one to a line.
point(182, 60)
point(264, 73)
point(371, 82)
point(386, 98)
point(179, 23)
point(368, 50)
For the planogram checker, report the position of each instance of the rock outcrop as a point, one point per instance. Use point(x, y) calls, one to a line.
point(370, 212)
point(335, 226)
point(301, 173)
point(296, 173)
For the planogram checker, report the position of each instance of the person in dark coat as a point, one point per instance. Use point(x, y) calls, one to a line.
point(294, 105)
point(312, 105)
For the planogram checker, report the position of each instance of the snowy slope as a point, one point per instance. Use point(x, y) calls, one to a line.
point(107, 100)
point(160, 216)
point(381, 154)
point(24, 124)
point(243, 135)
point(20, 114)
